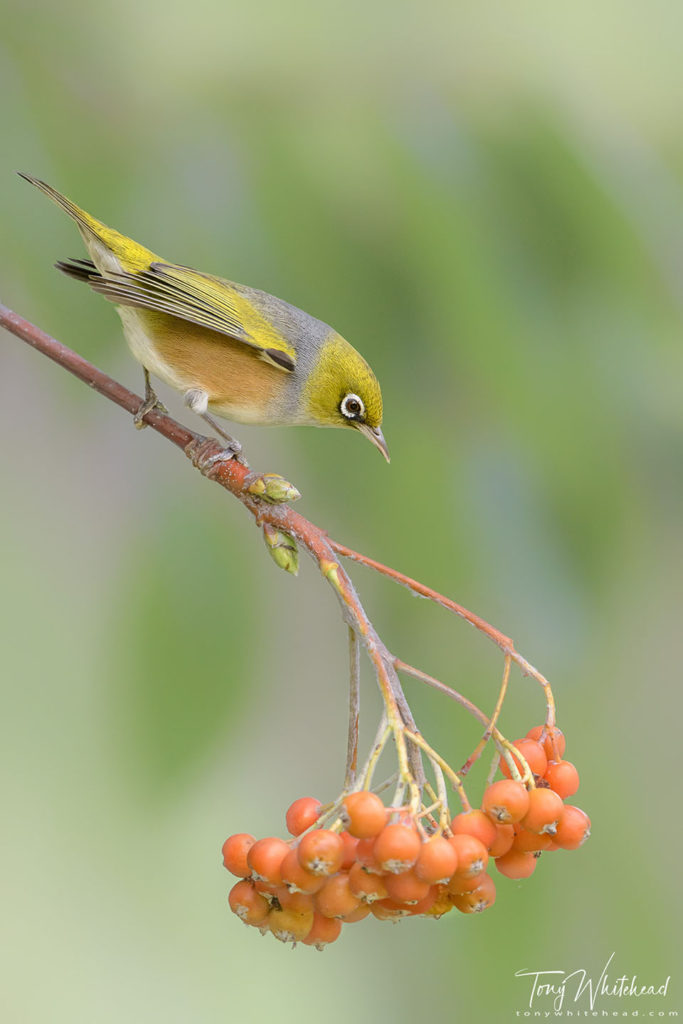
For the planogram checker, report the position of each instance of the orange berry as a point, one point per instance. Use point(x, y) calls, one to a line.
point(573, 828)
point(290, 925)
point(437, 861)
point(359, 914)
point(531, 842)
point(516, 864)
point(335, 898)
point(249, 905)
point(296, 878)
point(235, 850)
point(323, 931)
point(367, 886)
point(532, 752)
point(475, 823)
point(464, 883)
point(390, 910)
point(424, 905)
point(442, 903)
point(267, 889)
point(505, 801)
point(321, 852)
point(503, 841)
point(472, 854)
point(554, 743)
point(265, 859)
point(562, 777)
point(350, 847)
point(545, 808)
point(302, 814)
point(365, 855)
point(406, 887)
point(364, 814)
point(397, 847)
point(293, 900)
point(478, 899)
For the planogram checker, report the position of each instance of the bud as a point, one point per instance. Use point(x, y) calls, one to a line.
point(329, 571)
point(282, 547)
point(274, 488)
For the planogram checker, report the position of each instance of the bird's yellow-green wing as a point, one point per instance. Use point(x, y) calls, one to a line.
point(147, 282)
point(190, 295)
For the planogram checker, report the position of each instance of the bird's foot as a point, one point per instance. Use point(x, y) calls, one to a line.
point(151, 402)
point(198, 400)
point(203, 455)
point(231, 443)
point(273, 488)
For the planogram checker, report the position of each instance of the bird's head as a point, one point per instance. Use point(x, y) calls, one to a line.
point(342, 391)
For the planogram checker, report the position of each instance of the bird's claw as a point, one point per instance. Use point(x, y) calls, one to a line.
point(151, 402)
point(204, 457)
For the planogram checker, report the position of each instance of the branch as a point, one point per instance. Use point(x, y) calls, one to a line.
point(236, 477)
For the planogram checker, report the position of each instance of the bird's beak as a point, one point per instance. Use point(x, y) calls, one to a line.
point(376, 437)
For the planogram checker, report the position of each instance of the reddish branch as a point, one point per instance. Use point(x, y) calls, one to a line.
point(236, 478)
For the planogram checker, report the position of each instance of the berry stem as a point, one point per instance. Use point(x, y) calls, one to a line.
point(450, 773)
point(444, 815)
point(387, 784)
point(502, 641)
point(399, 794)
point(495, 762)
point(476, 753)
point(510, 752)
point(436, 684)
point(506, 748)
point(381, 737)
point(354, 710)
point(528, 670)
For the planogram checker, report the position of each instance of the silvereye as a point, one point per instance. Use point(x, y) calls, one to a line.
point(230, 349)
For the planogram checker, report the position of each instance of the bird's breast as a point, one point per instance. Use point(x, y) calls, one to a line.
point(240, 385)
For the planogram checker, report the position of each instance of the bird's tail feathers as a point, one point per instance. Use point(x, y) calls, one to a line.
point(129, 254)
point(80, 216)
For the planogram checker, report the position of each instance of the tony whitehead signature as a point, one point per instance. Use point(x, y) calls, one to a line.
point(559, 985)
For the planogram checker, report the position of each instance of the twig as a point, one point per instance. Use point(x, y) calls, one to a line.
point(504, 642)
point(500, 639)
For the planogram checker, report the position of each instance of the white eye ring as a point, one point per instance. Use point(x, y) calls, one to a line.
point(352, 407)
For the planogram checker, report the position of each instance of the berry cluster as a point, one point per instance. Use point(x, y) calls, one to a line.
point(392, 864)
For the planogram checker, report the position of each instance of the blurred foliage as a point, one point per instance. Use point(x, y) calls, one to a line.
point(488, 201)
point(172, 698)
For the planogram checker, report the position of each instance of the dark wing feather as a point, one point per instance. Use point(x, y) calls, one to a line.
point(81, 270)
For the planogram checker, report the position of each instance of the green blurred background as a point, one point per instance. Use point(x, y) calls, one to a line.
point(487, 199)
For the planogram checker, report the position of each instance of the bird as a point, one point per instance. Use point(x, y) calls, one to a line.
point(231, 350)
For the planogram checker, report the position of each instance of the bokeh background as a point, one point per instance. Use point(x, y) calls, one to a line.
point(487, 199)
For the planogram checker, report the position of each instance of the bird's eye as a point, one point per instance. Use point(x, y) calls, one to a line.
point(352, 407)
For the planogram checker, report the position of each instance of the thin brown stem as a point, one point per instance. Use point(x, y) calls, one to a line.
point(504, 642)
point(354, 711)
point(436, 684)
point(476, 753)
